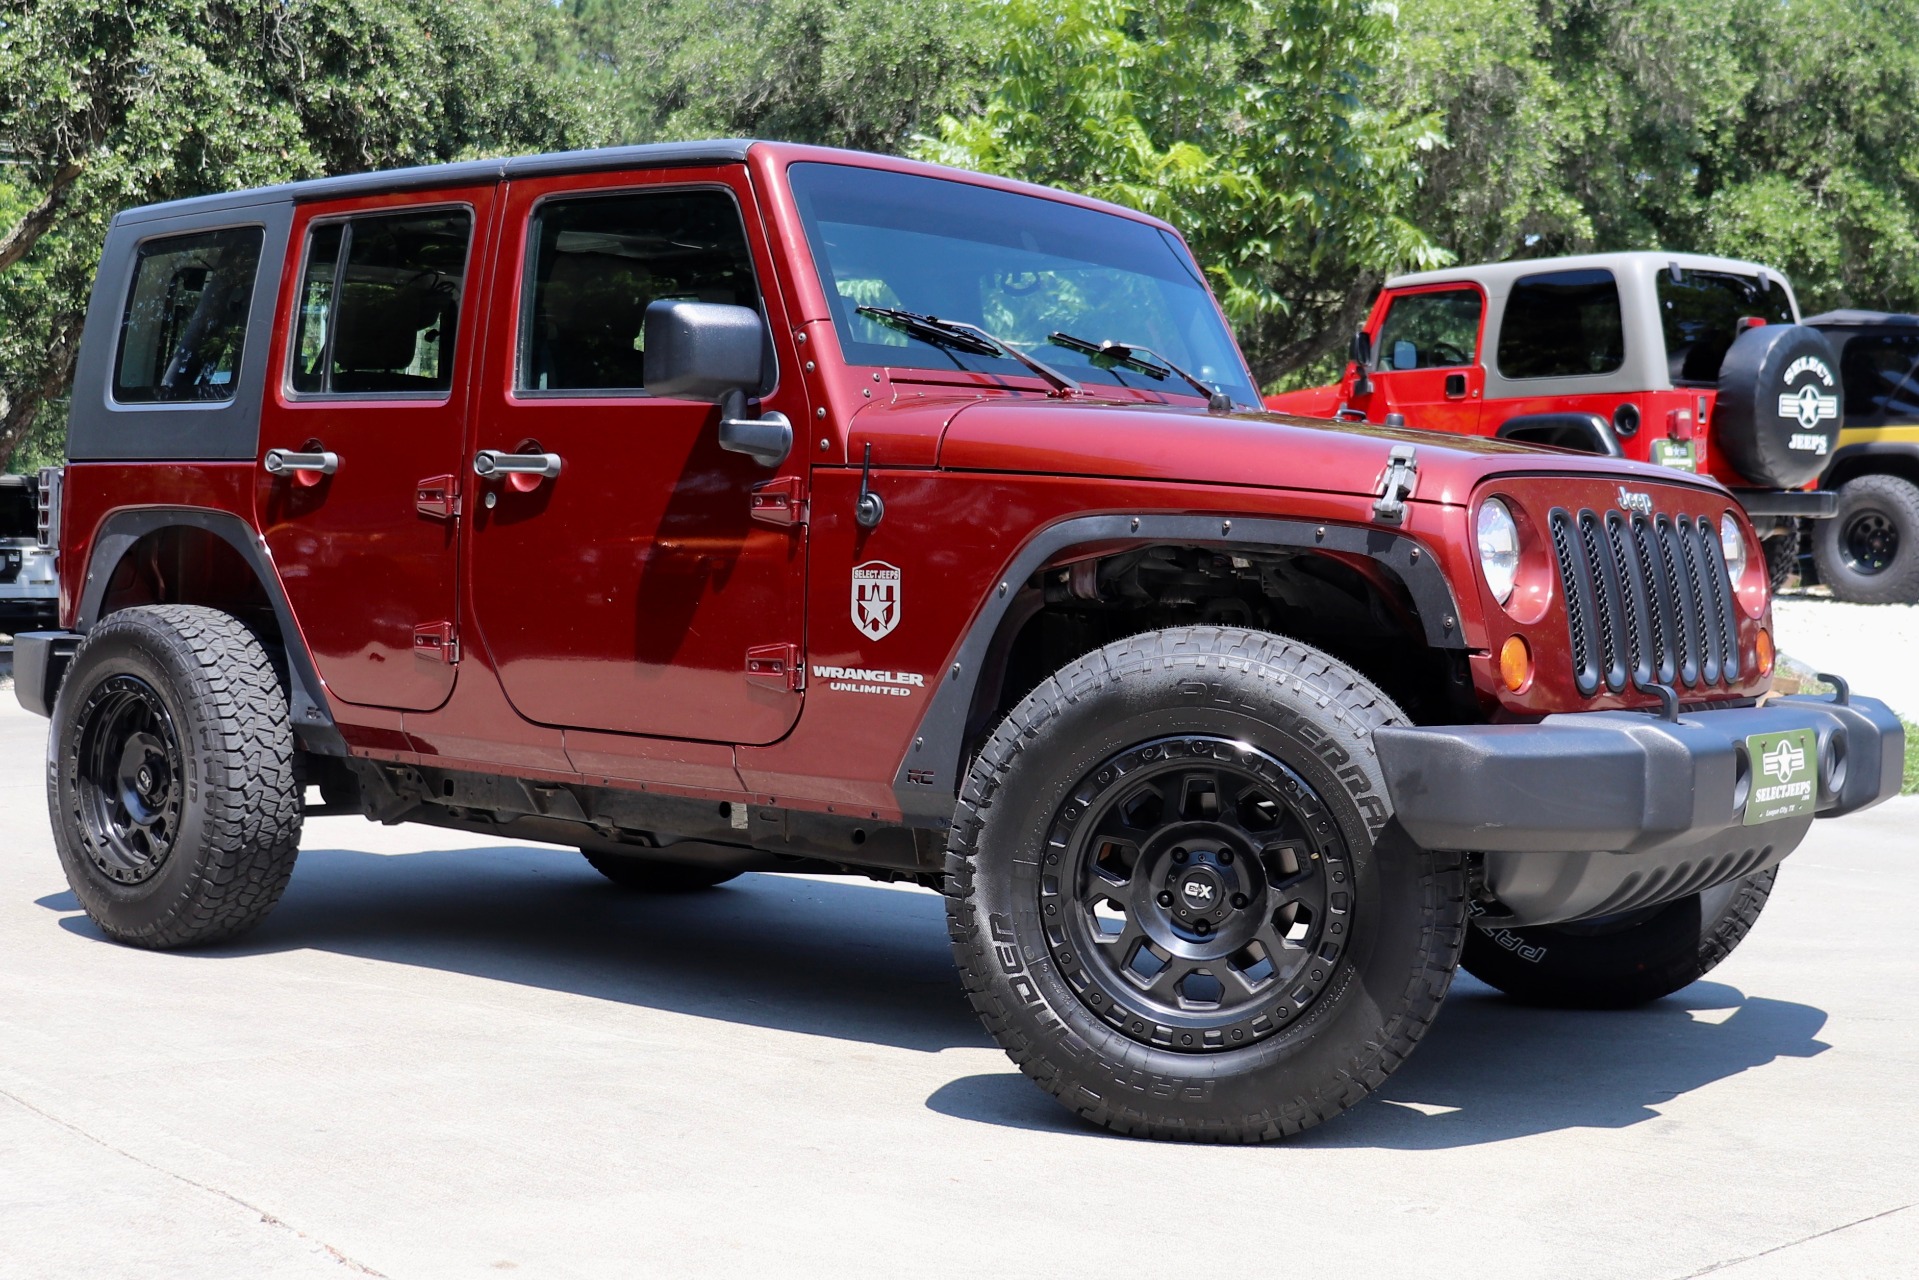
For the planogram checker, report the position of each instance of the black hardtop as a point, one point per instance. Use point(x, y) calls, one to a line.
point(463, 173)
point(1848, 318)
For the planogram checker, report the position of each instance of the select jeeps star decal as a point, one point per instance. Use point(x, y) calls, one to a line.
point(876, 598)
point(1785, 780)
point(1806, 403)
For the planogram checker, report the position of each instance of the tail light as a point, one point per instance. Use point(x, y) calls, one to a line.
point(49, 514)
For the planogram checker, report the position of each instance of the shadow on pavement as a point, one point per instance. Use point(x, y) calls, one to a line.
point(852, 960)
point(1493, 1069)
point(857, 961)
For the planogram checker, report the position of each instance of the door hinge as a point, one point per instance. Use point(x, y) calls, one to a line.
point(436, 640)
point(778, 502)
point(777, 666)
point(437, 496)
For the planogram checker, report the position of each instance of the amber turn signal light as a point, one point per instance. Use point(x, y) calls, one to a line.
point(1763, 646)
point(1515, 663)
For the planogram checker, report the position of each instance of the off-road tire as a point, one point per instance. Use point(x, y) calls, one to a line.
point(1274, 696)
point(653, 875)
point(1888, 499)
point(1618, 964)
point(1782, 558)
point(232, 829)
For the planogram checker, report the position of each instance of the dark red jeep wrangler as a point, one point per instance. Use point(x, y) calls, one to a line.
point(731, 507)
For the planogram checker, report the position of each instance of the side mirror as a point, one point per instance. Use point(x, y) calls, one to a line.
point(1362, 363)
point(711, 351)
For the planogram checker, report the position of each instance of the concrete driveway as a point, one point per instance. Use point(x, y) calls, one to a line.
point(448, 1057)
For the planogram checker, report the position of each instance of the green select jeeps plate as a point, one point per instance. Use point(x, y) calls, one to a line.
point(1785, 775)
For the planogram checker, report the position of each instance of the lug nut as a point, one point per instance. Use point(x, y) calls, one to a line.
point(1225, 857)
point(1179, 855)
point(1202, 928)
point(1165, 898)
point(1239, 901)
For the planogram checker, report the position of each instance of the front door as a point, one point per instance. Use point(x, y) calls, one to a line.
point(626, 592)
point(379, 329)
point(1426, 360)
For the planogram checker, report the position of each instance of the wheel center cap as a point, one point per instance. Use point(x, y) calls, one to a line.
point(1200, 891)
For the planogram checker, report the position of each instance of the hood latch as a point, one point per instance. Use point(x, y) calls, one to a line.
point(1401, 478)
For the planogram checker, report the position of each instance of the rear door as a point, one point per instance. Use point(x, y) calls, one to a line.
point(377, 328)
point(634, 591)
point(1426, 362)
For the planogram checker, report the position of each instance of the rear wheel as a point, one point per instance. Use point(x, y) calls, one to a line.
point(1868, 553)
point(170, 777)
point(652, 875)
point(1177, 897)
point(1615, 962)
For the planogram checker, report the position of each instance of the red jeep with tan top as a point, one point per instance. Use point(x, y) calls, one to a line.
point(1691, 362)
point(737, 507)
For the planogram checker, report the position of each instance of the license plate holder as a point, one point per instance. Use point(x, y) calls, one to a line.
point(1785, 775)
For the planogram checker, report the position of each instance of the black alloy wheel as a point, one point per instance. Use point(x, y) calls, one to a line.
point(1200, 900)
point(1869, 543)
point(130, 780)
point(1868, 552)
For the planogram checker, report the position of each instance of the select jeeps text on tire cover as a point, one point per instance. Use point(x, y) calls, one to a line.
point(1692, 362)
point(1868, 553)
point(731, 507)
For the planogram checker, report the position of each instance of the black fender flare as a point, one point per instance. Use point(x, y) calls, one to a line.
point(1872, 457)
point(313, 723)
point(928, 779)
point(1586, 432)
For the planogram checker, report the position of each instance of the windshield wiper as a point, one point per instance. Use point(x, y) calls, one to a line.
point(970, 338)
point(1141, 359)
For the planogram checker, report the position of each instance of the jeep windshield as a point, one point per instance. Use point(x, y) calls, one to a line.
point(1702, 311)
point(1019, 267)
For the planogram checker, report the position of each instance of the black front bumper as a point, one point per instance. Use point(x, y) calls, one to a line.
point(1593, 813)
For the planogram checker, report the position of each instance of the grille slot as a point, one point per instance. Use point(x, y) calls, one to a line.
point(1646, 599)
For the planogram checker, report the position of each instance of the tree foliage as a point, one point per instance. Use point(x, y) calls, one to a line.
point(1252, 126)
point(105, 105)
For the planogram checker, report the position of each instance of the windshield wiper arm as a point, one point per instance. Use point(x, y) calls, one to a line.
point(970, 338)
point(1141, 359)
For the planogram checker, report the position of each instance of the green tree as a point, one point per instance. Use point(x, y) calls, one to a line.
point(1250, 126)
point(849, 73)
point(105, 105)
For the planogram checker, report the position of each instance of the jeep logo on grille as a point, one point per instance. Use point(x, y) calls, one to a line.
point(1634, 500)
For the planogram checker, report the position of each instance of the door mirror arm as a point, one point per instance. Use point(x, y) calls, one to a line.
point(712, 351)
point(1362, 355)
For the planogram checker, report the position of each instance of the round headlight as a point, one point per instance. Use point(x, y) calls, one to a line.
point(1732, 541)
point(1498, 539)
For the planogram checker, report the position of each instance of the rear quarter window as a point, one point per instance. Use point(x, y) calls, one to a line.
point(1880, 372)
point(185, 323)
point(1562, 324)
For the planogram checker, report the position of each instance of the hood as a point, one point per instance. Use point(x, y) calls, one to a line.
point(1279, 450)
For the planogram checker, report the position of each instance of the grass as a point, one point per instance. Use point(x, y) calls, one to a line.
point(1911, 786)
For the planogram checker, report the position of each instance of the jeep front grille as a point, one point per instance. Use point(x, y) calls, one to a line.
point(1648, 600)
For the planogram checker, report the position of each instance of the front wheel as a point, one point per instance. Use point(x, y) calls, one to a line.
point(1177, 896)
point(1616, 962)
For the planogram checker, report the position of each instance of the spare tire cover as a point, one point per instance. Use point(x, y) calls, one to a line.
point(1778, 415)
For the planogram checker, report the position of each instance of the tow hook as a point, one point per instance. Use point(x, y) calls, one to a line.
point(1402, 476)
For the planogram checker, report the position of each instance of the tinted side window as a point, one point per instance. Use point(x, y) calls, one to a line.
point(598, 261)
point(1430, 331)
point(1700, 314)
point(379, 304)
point(1881, 375)
point(186, 317)
point(1562, 324)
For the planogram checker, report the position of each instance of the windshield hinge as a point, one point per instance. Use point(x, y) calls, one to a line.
point(1397, 485)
